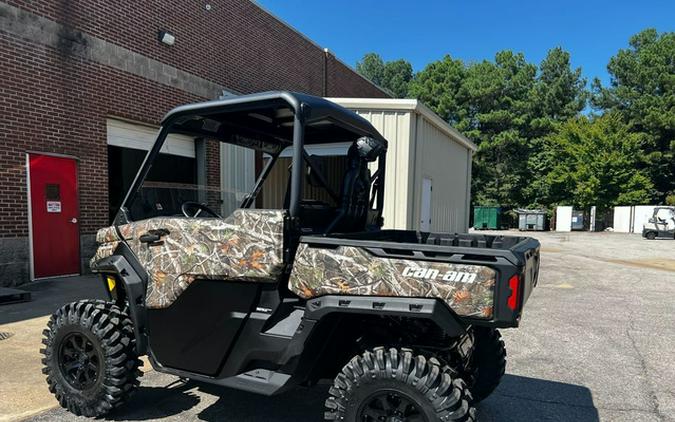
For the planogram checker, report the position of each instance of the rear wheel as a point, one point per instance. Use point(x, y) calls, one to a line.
point(488, 363)
point(397, 386)
point(89, 357)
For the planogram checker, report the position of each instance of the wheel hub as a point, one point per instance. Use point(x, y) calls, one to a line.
point(390, 406)
point(79, 361)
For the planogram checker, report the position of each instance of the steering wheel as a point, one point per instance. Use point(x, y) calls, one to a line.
point(197, 209)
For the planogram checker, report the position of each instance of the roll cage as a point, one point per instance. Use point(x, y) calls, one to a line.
point(268, 122)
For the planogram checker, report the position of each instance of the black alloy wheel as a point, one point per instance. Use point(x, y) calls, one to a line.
point(80, 361)
point(390, 406)
point(89, 357)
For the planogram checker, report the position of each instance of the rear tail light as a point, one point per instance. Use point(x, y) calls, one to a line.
point(514, 298)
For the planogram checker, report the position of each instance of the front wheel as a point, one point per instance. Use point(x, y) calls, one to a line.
point(89, 357)
point(397, 386)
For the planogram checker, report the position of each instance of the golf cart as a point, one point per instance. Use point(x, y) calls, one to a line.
point(297, 283)
point(661, 224)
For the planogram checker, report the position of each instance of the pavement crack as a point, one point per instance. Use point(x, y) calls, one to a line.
point(651, 393)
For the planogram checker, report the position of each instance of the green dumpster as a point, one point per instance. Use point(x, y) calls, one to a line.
point(487, 218)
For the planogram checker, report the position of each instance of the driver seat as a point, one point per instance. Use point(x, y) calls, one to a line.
point(354, 195)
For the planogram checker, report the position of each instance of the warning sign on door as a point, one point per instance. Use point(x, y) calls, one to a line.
point(53, 206)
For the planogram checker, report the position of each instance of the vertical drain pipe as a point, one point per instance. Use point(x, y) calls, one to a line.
point(324, 88)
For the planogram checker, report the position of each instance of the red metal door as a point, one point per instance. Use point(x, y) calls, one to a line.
point(55, 214)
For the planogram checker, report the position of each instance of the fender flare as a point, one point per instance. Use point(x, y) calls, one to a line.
point(134, 287)
point(421, 308)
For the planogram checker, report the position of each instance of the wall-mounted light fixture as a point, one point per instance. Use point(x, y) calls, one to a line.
point(167, 38)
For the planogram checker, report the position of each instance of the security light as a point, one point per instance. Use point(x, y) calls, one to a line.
point(167, 37)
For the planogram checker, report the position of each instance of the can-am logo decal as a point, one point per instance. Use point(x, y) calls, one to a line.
point(433, 274)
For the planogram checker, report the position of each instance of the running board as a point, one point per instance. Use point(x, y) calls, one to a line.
point(259, 381)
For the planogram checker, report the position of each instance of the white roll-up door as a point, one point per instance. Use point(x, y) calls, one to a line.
point(137, 136)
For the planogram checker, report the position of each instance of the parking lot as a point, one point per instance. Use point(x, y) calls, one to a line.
point(596, 342)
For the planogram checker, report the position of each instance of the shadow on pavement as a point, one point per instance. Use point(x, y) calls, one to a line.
point(157, 403)
point(531, 399)
point(299, 405)
point(517, 399)
point(49, 295)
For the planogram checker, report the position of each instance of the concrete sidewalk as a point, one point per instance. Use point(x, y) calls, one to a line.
point(22, 386)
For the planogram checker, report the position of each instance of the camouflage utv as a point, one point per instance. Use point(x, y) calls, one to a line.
point(290, 282)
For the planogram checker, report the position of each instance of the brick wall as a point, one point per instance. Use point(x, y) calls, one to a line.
point(54, 101)
point(57, 104)
point(235, 43)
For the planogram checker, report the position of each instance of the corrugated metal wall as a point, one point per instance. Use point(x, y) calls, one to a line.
point(237, 175)
point(274, 188)
point(396, 127)
point(417, 149)
point(448, 165)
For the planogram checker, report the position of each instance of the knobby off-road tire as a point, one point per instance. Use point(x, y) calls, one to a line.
point(488, 363)
point(396, 385)
point(89, 357)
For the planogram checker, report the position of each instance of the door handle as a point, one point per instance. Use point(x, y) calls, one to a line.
point(152, 237)
point(149, 238)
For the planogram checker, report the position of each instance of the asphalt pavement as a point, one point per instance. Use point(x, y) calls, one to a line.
point(596, 342)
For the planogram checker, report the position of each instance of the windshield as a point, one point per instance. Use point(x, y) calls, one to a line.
point(221, 176)
point(224, 164)
point(215, 174)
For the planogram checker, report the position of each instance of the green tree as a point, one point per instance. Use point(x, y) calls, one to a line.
point(438, 86)
point(595, 164)
point(560, 91)
point(506, 106)
point(393, 76)
point(488, 102)
point(559, 94)
point(496, 114)
point(371, 66)
point(642, 92)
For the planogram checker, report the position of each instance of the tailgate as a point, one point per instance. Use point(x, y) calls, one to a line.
point(530, 272)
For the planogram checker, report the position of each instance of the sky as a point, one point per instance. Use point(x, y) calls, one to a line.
point(474, 30)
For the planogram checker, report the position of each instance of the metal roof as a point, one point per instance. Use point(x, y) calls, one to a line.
point(314, 110)
point(407, 104)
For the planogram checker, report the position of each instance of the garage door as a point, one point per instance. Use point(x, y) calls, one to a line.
point(136, 136)
point(128, 144)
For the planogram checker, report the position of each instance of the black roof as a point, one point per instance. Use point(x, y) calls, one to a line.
point(270, 115)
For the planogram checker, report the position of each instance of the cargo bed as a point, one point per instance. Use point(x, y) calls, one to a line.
point(485, 279)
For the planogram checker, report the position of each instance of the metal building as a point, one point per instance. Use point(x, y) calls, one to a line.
point(428, 175)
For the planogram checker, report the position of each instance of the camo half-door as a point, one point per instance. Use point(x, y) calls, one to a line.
point(246, 246)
